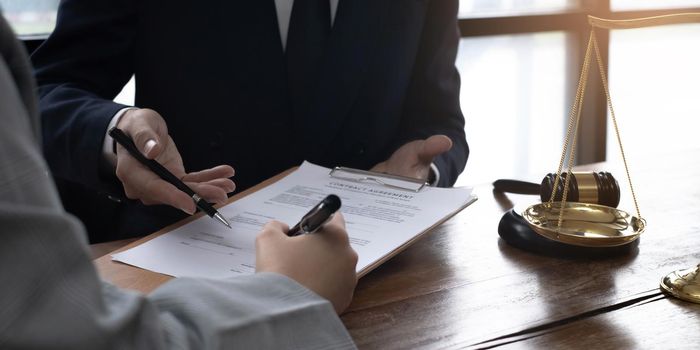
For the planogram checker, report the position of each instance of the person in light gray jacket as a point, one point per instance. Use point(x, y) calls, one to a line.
point(52, 298)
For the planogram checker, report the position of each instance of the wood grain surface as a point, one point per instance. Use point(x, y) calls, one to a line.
point(463, 286)
point(658, 323)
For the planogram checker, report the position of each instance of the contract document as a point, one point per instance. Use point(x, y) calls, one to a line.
point(380, 221)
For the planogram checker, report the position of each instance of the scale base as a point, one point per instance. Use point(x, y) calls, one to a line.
point(515, 231)
point(683, 284)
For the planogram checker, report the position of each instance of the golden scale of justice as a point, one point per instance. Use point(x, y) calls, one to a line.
point(585, 223)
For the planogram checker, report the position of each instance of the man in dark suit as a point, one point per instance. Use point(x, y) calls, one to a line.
point(260, 85)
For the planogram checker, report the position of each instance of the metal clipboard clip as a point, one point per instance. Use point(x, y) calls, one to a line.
point(387, 180)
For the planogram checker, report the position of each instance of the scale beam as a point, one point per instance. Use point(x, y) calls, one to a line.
point(678, 18)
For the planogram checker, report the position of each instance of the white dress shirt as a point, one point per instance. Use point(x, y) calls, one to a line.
point(284, 14)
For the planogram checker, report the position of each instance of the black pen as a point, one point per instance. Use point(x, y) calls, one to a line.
point(317, 216)
point(126, 142)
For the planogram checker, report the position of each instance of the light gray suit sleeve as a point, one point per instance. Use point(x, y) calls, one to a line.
point(51, 296)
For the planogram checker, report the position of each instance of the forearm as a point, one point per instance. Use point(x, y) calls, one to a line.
point(432, 100)
point(79, 70)
point(70, 308)
point(74, 124)
point(265, 311)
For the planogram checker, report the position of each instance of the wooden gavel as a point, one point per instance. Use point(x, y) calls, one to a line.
point(586, 187)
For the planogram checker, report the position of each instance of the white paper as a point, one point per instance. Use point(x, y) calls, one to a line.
point(378, 220)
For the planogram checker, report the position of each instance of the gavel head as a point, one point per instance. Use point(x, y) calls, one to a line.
point(586, 187)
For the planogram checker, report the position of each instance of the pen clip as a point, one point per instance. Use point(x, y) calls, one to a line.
point(306, 227)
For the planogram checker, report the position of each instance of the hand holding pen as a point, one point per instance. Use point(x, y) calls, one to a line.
point(152, 174)
point(149, 132)
point(323, 262)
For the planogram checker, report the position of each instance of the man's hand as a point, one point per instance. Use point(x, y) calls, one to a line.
point(323, 261)
point(150, 134)
point(413, 158)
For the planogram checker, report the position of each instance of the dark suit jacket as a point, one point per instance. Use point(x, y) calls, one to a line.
point(216, 72)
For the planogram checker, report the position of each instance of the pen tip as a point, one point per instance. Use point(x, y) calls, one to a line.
point(222, 220)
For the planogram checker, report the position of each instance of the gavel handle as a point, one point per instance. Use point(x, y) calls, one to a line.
point(516, 186)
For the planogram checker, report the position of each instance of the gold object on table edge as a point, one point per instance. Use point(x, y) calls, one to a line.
point(683, 284)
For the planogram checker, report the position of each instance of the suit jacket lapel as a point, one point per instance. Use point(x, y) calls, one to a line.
point(343, 72)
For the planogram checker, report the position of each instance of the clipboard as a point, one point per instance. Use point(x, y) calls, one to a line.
point(387, 180)
point(375, 185)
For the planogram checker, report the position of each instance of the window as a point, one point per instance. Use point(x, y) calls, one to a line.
point(654, 77)
point(30, 17)
point(514, 102)
point(621, 5)
point(489, 8)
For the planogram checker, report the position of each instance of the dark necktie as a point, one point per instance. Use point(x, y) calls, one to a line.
point(309, 29)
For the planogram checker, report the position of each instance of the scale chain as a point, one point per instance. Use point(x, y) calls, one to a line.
point(570, 137)
point(574, 119)
point(614, 120)
point(577, 100)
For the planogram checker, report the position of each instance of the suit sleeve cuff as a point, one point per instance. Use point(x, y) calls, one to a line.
point(108, 155)
point(434, 175)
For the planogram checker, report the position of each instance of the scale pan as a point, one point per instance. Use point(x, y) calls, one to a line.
point(583, 224)
point(683, 284)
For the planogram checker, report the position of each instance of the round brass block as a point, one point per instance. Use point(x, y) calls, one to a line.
point(683, 284)
point(584, 224)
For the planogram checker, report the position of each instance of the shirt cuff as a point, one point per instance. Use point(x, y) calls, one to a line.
point(108, 145)
point(434, 176)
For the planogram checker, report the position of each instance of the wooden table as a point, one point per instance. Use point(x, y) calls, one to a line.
point(461, 286)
